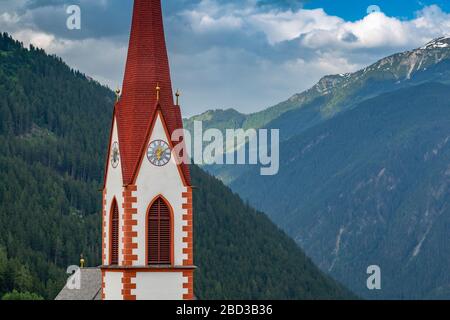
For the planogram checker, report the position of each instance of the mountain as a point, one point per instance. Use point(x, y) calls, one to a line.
point(332, 95)
point(371, 186)
point(336, 93)
point(267, 264)
point(54, 129)
point(357, 188)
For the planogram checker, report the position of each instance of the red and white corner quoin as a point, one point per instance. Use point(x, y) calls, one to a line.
point(147, 197)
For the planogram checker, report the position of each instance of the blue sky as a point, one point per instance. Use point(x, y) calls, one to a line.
point(242, 54)
point(355, 9)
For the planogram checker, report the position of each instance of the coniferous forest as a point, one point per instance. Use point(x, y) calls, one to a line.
point(54, 125)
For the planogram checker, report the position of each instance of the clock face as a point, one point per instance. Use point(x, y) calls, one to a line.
point(159, 153)
point(115, 156)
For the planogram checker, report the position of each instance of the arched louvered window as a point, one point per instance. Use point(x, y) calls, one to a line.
point(159, 237)
point(114, 234)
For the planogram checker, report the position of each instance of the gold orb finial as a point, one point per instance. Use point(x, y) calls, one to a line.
point(158, 90)
point(118, 92)
point(82, 261)
point(178, 94)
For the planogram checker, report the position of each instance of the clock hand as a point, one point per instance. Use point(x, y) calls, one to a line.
point(159, 153)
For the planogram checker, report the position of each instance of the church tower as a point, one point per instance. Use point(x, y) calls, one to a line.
point(147, 196)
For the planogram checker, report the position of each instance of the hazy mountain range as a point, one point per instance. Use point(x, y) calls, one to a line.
point(364, 174)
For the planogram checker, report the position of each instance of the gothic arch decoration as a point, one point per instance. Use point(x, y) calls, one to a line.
point(114, 234)
point(159, 236)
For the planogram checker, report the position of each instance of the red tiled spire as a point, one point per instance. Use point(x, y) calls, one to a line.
point(147, 66)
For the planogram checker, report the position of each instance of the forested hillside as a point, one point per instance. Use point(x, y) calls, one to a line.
point(53, 132)
point(242, 255)
point(51, 136)
point(373, 187)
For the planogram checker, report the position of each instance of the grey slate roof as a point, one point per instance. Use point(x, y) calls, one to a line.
point(90, 289)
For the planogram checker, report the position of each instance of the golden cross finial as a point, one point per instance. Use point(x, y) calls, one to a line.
point(158, 90)
point(178, 94)
point(117, 94)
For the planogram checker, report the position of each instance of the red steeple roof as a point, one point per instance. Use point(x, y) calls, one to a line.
point(147, 67)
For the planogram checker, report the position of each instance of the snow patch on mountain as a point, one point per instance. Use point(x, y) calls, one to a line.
point(439, 43)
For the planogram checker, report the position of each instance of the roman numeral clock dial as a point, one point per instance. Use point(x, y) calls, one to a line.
point(159, 153)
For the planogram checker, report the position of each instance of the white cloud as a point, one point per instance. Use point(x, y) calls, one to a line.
point(313, 44)
point(201, 22)
point(102, 59)
point(38, 39)
point(319, 29)
point(379, 31)
point(237, 54)
point(288, 25)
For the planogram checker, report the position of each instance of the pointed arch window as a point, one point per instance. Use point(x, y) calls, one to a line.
point(114, 233)
point(159, 233)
